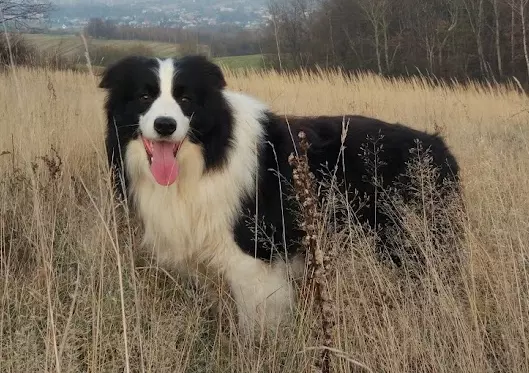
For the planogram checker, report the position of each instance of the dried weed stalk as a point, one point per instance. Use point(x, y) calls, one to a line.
point(305, 189)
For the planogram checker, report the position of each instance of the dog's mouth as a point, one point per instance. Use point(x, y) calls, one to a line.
point(162, 160)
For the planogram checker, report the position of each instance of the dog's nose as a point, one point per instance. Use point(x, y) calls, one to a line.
point(165, 126)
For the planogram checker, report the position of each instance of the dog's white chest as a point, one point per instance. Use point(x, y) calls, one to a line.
point(188, 223)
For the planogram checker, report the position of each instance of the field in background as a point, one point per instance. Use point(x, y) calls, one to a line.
point(73, 298)
point(72, 46)
point(252, 61)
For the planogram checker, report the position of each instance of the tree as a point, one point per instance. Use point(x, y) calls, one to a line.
point(519, 7)
point(98, 28)
point(291, 21)
point(375, 12)
point(19, 12)
point(523, 6)
point(497, 32)
point(476, 17)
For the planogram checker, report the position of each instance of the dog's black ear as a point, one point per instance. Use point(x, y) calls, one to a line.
point(215, 73)
point(201, 66)
point(120, 71)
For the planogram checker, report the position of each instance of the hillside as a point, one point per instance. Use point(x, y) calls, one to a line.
point(72, 46)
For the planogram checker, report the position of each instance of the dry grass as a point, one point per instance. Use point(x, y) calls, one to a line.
point(73, 298)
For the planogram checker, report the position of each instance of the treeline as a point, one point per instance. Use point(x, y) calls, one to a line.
point(480, 39)
point(220, 41)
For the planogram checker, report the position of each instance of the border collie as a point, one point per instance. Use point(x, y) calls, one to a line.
point(199, 161)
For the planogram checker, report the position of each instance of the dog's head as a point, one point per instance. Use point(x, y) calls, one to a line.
point(166, 106)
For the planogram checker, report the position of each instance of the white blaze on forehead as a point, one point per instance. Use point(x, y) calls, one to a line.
point(166, 73)
point(165, 105)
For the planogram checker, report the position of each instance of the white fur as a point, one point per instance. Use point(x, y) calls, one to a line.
point(189, 224)
point(165, 105)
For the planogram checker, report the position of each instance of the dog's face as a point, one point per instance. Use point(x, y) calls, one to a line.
point(164, 104)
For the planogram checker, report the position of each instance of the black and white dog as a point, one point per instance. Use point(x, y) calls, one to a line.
point(199, 161)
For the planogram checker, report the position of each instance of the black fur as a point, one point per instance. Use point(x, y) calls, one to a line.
point(324, 135)
point(126, 81)
point(211, 124)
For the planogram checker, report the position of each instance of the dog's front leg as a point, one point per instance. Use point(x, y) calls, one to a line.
point(262, 291)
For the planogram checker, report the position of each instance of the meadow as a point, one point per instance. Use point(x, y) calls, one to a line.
point(72, 45)
point(76, 296)
point(73, 48)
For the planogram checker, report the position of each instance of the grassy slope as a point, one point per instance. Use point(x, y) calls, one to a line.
point(72, 45)
point(253, 61)
point(68, 287)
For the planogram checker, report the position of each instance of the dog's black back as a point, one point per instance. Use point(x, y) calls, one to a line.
point(375, 157)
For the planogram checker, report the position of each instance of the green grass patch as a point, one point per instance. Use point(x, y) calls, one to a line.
point(252, 61)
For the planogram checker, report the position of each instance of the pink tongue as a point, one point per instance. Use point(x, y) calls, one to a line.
point(164, 167)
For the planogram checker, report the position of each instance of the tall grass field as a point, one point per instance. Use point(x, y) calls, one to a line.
point(76, 295)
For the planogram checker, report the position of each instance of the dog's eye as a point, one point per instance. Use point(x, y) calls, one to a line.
point(185, 99)
point(145, 97)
